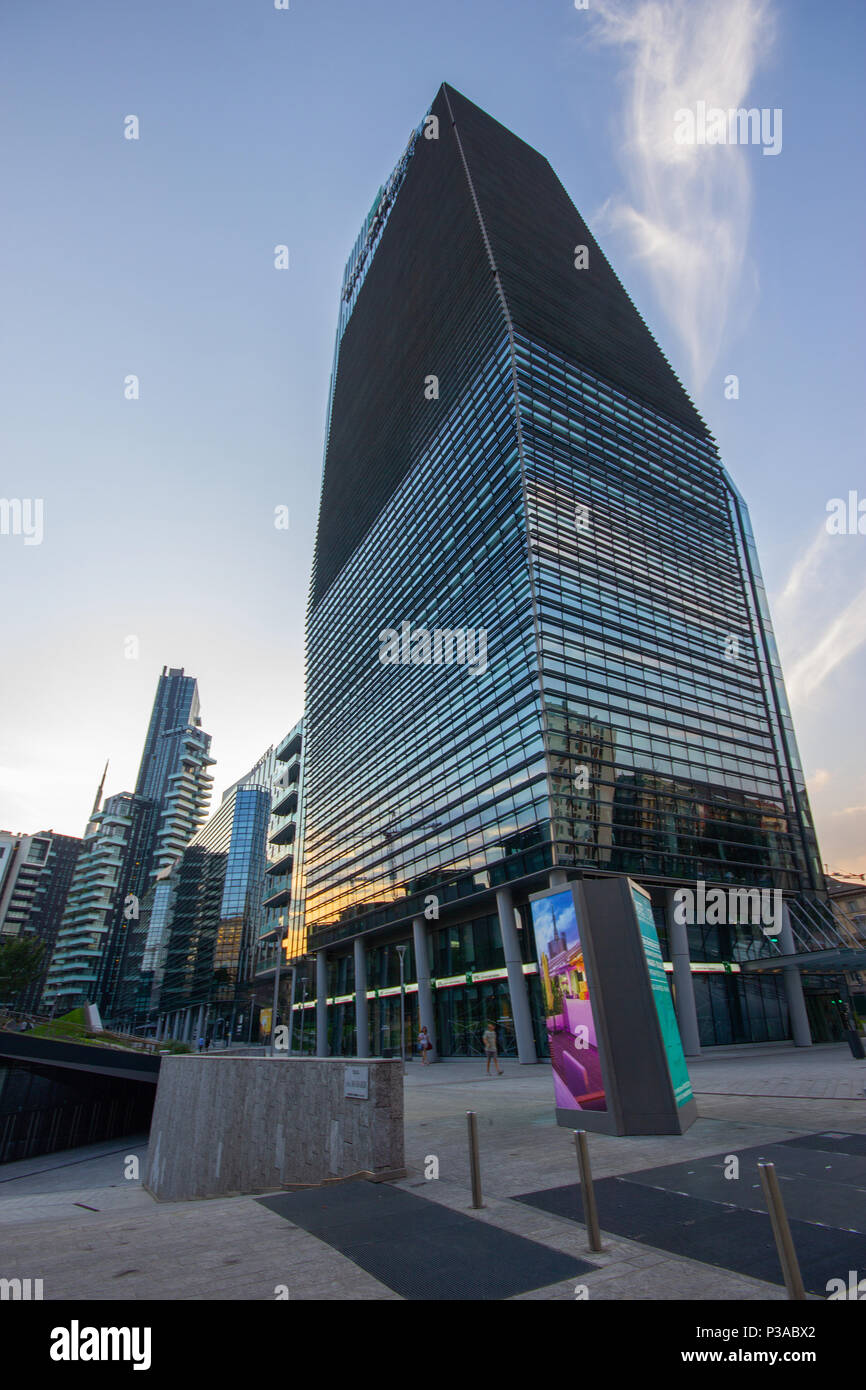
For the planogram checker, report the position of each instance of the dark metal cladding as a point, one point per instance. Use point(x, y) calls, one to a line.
point(533, 228)
point(430, 305)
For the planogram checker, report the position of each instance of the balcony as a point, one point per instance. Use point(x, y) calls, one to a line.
point(286, 801)
point(279, 897)
point(283, 865)
point(285, 835)
point(290, 749)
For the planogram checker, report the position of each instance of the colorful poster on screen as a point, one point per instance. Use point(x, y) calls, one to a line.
point(571, 1034)
point(662, 997)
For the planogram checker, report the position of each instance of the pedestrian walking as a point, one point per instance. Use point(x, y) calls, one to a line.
point(424, 1046)
point(200, 1044)
point(490, 1049)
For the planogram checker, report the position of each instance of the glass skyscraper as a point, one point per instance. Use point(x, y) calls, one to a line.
point(129, 846)
point(538, 640)
point(211, 927)
point(110, 870)
point(175, 765)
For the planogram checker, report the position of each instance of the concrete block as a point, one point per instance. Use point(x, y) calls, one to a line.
point(226, 1125)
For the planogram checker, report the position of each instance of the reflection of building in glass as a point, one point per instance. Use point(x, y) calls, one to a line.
point(216, 920)
point(581, 763)
point(519, 456)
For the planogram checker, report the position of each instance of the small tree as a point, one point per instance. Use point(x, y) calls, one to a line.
point(20, 966)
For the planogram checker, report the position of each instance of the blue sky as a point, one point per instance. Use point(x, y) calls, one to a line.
point(260, 127)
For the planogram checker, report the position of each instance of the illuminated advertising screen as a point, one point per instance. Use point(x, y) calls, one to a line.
point(571, 1033)
point(662, 996)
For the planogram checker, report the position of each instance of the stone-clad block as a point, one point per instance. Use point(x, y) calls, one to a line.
point(226, 1125)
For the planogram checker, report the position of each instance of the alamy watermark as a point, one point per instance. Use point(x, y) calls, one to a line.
point(713, 126)
point(77, 1343)
point(846, 516)
point(21, 1290)
point(23, 516)
point(722, 906)
point(438, 646)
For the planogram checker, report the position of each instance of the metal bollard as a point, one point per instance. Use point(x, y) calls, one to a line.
point(474, 1162)
point(590, 1211)
point(781, 1230)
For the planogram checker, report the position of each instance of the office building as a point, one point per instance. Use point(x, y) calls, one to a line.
point(538, 640)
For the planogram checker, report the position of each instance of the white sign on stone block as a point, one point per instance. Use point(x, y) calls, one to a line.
point(357, 1082)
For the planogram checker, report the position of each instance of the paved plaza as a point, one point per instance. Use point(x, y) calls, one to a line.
point(678, 1229)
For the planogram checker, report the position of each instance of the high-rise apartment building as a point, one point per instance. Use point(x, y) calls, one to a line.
point(129, 847)
point(175, 764)
point(111, 874)
point(538, 639)
point(35, 877)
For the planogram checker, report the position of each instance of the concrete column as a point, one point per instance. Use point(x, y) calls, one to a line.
point(558, 877)
point(199, 1024)
point(517, 987)
point(426, 1008)
point(362, 1019)
point(322, 1003)
point(687, 1014)
point(187, 1025)
point(793, 980)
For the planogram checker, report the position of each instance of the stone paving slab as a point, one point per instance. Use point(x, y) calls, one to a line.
point(233, 1248)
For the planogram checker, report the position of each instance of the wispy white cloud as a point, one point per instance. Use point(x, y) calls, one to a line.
point(840, 638)
point(806, 570)
point(687, 210)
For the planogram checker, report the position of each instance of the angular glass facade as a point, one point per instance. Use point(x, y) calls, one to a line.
point(537, 635)
point(216, 913)
point(662, 733)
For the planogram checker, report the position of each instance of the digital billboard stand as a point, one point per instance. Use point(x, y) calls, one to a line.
point(618, 1063)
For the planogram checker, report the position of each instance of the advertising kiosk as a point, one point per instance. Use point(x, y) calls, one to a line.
point(618, 1063)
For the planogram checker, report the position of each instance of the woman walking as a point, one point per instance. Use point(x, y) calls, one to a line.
point(424, 1046)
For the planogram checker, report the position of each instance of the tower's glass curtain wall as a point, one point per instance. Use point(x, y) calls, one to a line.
point(216, 912)
point(512, 462)
point(175, 764)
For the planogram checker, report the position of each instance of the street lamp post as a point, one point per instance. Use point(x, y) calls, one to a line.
point(401, 952)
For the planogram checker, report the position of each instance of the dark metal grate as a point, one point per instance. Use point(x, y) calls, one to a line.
point(420, 1249)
